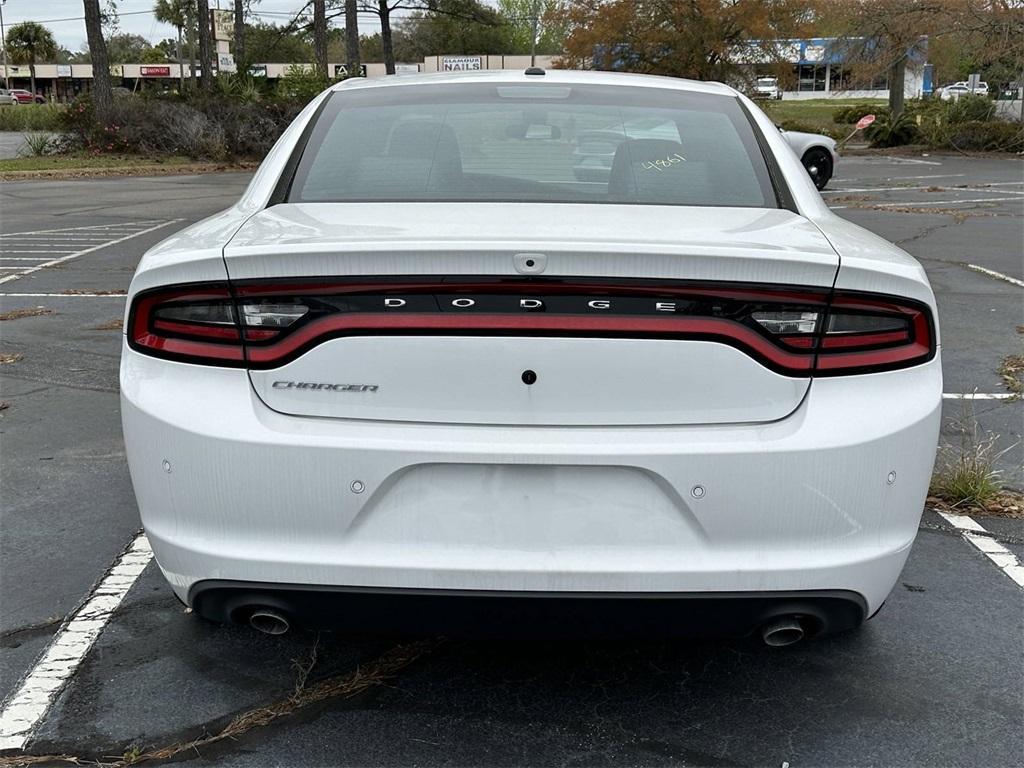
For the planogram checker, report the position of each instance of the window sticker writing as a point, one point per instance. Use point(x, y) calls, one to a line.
point(661, 164)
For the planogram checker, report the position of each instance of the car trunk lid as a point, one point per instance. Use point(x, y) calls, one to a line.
point(526, 314)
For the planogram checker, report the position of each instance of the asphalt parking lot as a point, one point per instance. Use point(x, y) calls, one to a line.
point(935, 679)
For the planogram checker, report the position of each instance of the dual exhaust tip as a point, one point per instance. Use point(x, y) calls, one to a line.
point(783, 631)
point(269, 621)
point(777, 633)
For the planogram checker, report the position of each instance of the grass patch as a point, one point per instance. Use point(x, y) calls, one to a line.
point(32, 117)
point(83, 161)
point(965, 474)
point(815, 114)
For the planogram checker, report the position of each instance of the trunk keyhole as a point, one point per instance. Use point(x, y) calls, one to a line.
point(529, 377)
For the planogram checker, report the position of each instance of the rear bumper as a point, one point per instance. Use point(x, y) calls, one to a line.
point(231, 490)
point(705, 614)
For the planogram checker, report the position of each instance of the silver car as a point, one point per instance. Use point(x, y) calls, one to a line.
point(6, 99)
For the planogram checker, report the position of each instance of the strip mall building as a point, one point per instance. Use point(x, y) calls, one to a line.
point(62, 82)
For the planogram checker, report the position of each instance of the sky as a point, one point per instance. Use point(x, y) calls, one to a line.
point(64, 17)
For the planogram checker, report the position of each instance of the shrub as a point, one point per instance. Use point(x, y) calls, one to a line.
point(993, 136)
point(31, 117)
point(886, 132)
point(209, 127)
point(851, 114)
point(969, 109)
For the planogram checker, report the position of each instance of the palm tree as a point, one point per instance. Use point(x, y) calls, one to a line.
point(102, 96)
point(174, 12)
point(28, 42)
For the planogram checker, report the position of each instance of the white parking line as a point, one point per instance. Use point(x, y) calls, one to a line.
point(971, 530)
point(90, 249)
point(978, 396)
point(126, 225)
point(929, 176)
point(910, 161)
point(915, 204)
point(996, 275)
point(25, 709)
point(920, 187)
point(65, 295)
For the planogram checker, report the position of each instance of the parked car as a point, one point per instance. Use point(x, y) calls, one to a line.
point(27, 97)
point(419, 370)
point(953, 92)
point(817, 153)
point(981, 89)
point(6, 99)
point(767, 88)
point(956, 90)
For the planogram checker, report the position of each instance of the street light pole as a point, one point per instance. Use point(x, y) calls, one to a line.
point(3, 42)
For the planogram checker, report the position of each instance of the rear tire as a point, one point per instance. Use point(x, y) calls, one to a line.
point(818, 163)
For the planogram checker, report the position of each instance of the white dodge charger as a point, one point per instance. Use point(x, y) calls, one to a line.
point(422, 369)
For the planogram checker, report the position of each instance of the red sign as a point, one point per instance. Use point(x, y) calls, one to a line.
point(865, 121)
point(155, 71)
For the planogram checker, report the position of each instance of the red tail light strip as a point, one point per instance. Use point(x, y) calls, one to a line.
point(722, 313)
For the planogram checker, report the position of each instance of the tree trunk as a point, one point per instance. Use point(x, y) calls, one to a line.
point(352, 38)
point(897, 74)
point(320, 38)
point(190, 39)
point(102, 98)
point(181, 68)
point(385, 36)
point(240, 61)
point(32, 78)
point(205, 45)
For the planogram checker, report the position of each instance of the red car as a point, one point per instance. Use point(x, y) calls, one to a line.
point(26, 97)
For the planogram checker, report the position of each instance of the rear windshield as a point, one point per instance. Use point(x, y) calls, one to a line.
point(555, 143)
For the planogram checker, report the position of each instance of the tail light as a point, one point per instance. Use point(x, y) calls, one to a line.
point(794, 331)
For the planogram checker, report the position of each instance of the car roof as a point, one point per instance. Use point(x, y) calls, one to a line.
point(563, 76)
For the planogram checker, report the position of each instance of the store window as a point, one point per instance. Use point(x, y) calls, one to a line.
point(811, 77)
point(839, 79)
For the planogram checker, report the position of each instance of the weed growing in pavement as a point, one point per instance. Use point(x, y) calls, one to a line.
point(18, 314)
point(1011, 371)
point(965, 474)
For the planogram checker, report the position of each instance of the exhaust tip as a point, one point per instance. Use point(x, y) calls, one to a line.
point(782, 632)
point(268, 621)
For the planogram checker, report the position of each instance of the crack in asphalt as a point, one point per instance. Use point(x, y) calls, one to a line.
point(930, 230)
point(374, 673)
